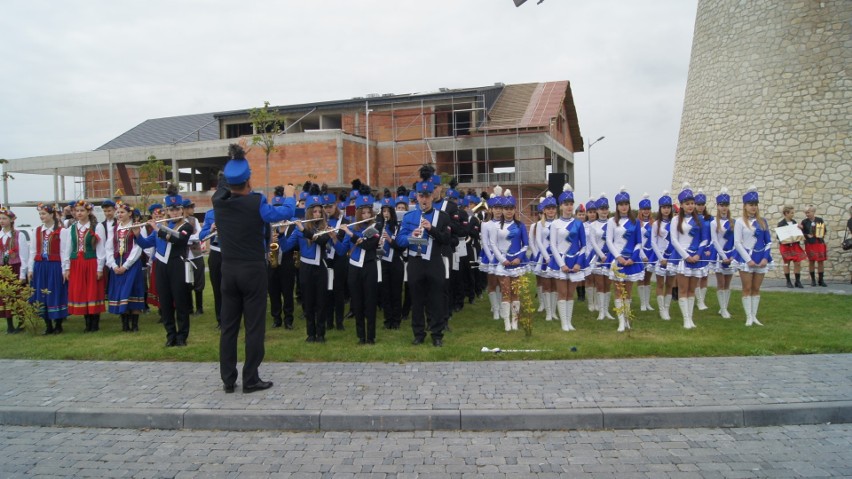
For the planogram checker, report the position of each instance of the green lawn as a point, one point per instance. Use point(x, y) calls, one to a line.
point(793, 324)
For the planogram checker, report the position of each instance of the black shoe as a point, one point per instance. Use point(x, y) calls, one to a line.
point(789, 284)
point(417, 342)
point(258, 386)
point(288, 326)
point(371, 341)
point(229, 388)
point(311, 339)
point(171, 343)
point(320, 339)
point(350, 314)
point(813, 283)
point(447, 328)
point(470, 300)
point(822, 283)
point(799, 284)
point(180, 343)
point(437, 343)
point(276, 324)
point(199, 312)
point(339, 327)
point(362, 341)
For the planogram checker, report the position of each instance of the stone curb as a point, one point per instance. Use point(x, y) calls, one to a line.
point(433, 420)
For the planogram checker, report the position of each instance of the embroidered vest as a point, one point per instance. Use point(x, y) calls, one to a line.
point(9, 250)
point(88, 247)
point(47, 244)
point(122, 243)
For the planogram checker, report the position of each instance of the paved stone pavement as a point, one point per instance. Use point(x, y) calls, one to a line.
point(492, 395)
point(769, 452)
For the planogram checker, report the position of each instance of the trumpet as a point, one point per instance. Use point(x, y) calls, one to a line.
point(332, 230)
point(139, 225)
point(481, 205)
point(289, 223)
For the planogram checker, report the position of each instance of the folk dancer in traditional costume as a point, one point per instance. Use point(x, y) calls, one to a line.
point(792, 252)
point(814, 229)
point(171, 244)
point(646, 254)
point(14, 254)
point(393, 267)
point(601, 270)
point(126, 292)
point(509, 244)
point(661, 244)
point(722, 240)
point(108, 225)
point(546, 270)
point(487, 259)
point(313, 269)
point(688, 244)
point(624, 241)
point(567, 264)
point(753, 256)
point(361, 243)
point(83, 259)
point(426, 266)
point(50, 290)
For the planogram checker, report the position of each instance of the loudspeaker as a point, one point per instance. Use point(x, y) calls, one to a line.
point(555, 182)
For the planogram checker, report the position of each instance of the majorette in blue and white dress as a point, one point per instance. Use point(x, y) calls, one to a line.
point(568, 243)
point(647, 254)
point(487, 260)
point(597, 240)
point(689, 242)
point(545, 250)
point(662, 247)
point(752, 241)
point(722, 239)
point(509, 242)
point(624, 238)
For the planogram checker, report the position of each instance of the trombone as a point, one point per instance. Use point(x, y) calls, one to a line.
point(139, 225)
point(332, 230)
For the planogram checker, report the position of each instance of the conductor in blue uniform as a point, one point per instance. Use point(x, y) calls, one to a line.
point(242, 222)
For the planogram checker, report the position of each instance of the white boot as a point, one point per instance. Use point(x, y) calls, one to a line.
point(628, 303)
point(720, 297)
point(554, 306)
point(701, 293)
point(495, 305)
point(591, 298)
point(641, 290)
point(569, 313)
point(548, 306)
point(516, 311)
point(691, 309)
point(601, 306)
point(755, 302)
point(661, 304)
point(606, 310)
point(648, 298)
point(505, 309)
point(747, 309)
point(668, 300)
point(541, 299)
point(619, 311)
point(563, 315)
point(684, 311)
point(727, 299)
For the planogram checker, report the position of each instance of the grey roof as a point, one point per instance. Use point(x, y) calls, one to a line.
point(162, 131)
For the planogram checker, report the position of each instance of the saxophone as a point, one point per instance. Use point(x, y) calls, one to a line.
point(273, 255)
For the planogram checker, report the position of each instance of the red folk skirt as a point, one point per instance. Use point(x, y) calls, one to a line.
point(153, 295)
point(792, 252)
point(6, 311)
point(816, 251)
point(85, 290)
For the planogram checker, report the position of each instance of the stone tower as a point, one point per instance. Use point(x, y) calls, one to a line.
point(769, 102)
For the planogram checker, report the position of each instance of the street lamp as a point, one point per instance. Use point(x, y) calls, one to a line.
point(589, 157)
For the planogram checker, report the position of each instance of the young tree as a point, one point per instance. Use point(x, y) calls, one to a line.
point(267, 124)
point(152, 176)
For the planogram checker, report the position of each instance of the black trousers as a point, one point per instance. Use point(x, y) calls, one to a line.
point(243, 296)
point(282, 283)
point(174, 299)
point(364, 288)
point(448, 292)
point(406, 301)
point(427, 285)
point(334, 313)
point(214, 262)
point(391, 287)
point(457, 285)
point(198, 283)
point(314, 281)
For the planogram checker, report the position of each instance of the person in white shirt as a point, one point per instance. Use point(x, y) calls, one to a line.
point(540, 237)
point(661, 244)
point(126, 292)
point(44, 270)
point(753, 255)
point(83, 258)
point(568, 257)
point(722, 239)
point(14, 253)
point(688, 244)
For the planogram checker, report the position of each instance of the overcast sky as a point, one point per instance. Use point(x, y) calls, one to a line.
point(78, 73)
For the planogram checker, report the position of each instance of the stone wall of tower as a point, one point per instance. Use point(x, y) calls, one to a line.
point(769, 102)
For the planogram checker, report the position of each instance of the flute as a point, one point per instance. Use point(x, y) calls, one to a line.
point(139, 225)
point(332, 230)
point(289, 223)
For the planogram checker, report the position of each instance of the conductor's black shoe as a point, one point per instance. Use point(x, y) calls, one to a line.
point(180, 342)
point(437, 343)
point(288, 326)
point(320, 339)
point(417, 341)
point(447, 328)
point(229, 388)
point(311, 339)
point(170, 343)
point(258, 386)
point(276, 324)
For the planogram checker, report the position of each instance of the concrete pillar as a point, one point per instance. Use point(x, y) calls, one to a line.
point(175, 172)
point(62, 187)
point(111, 177)
point(56, 185)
